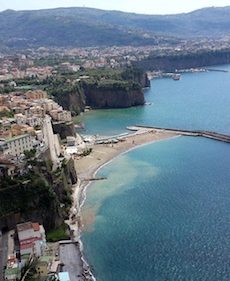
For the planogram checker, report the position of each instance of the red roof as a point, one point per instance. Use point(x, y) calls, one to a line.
point(27, 246)
point(29, 240)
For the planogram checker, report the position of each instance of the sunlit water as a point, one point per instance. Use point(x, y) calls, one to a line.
point(164, 212)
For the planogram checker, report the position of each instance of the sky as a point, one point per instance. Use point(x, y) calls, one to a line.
point(136, 6)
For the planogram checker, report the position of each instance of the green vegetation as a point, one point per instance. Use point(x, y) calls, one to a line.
point(59, 233)
point(5, 113)
point(70, 89)
point(57, 27)
point(86, 152)
point(26, 193)
point(29, 154)
point(38, 194)
point(28, 272)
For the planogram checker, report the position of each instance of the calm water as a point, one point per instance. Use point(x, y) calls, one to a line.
point(197, 101)
point(163, 214)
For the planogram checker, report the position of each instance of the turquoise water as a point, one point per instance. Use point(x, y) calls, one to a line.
point(197, 101)
point(164, 217)
point(163, 214)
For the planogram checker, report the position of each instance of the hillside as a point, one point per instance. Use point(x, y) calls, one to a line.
point(68, 27)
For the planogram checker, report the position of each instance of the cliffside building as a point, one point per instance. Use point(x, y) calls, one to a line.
point(17, 145)
point(35, 95)
point(51, 140)
point(31, 238)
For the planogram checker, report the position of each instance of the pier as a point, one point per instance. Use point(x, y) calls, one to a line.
point(193, 133)
point(95, 179)
point(216, 70)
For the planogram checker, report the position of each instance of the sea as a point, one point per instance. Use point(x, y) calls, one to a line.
point(163, 214)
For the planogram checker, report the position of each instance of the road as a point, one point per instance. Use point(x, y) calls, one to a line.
point(3, 253)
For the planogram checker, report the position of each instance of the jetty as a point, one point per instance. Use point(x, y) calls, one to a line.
point(216, 70)
point(95, 179)
point(193, 133)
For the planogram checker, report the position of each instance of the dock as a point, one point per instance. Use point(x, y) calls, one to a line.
point(193, 133)
point(95, 179)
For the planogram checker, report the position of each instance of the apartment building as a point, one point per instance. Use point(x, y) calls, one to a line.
point(17, 145)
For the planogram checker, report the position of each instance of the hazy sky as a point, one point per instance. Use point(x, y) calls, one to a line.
point(137, 6)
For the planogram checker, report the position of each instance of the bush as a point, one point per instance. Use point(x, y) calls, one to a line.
point(57, 234)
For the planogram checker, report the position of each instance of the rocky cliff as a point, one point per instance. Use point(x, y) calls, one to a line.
point(41, 195)
point(64, 129)
point(113, 95)
point(169, 63)
point(137, 75)
point(71, 97)
point(102, 89)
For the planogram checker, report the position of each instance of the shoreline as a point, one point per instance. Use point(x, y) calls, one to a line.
point(88, 166)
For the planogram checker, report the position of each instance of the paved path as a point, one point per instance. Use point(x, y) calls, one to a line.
point(3, 253)
point(70, 257)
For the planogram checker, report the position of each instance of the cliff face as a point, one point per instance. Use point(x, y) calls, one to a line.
point(183, 61)
point(64, 129)
point(116, 95)
point(137, 75)
point(71, 98)
point(38, 196)
point(102, 89)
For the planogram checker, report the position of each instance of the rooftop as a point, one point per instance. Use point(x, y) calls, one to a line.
point(17, 138)
point(24, 226)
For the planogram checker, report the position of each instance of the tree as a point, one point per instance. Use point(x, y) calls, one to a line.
point(29, 270)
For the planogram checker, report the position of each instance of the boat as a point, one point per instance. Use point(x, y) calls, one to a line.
point(176, 77)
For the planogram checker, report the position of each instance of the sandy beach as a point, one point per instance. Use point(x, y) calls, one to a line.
point(103, 153)
point(87, 166)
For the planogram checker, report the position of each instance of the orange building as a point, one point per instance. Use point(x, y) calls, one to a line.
point(36, 95)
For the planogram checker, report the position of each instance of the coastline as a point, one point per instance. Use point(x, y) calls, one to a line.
point(88, 166)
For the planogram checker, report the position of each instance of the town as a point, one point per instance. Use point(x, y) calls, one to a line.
point(38, 137)
point(26, 129)
point(44, 62)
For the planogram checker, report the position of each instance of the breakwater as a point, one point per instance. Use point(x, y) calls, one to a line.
point(194, 133)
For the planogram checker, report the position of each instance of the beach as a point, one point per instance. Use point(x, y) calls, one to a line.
point(87, 167)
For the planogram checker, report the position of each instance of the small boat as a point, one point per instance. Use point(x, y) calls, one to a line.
point(176, 77)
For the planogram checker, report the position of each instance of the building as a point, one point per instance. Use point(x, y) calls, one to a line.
point(51, 141)
point(17, 145)
point(37, 110)
point(61, 115)
point(12, 273)
point(36, 95)
point(31, 238)
point(7, 168)
point(43, 266)
point(3, 100)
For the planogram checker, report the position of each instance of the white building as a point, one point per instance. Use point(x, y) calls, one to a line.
point(51, 140)
point(30, 120)
point(17, 145)
point(20, 119)
point(61, 115)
